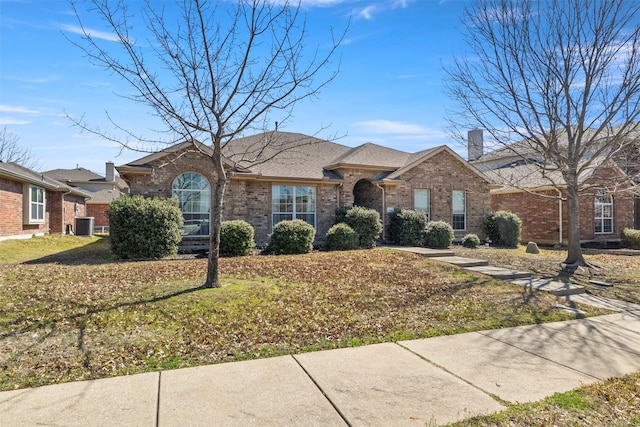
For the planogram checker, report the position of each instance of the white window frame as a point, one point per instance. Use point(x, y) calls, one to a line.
point(191, 217)
point(36, 209)
point(294, 212)
point(419, 196)
point(601, 217)
point(458, 211)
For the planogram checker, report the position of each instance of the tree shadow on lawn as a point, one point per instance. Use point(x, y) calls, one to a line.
point(37, 324)
point(95, 253)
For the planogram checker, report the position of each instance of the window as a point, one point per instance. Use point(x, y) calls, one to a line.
point(194, 194)
point(293, 202)
point(603, 216)
point(459, 205)
point(422, 201)
point(36, 205)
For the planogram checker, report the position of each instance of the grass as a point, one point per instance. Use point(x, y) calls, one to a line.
point(614, 402)
point(69, 311)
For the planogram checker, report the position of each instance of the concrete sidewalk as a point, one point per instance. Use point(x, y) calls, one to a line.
point(427, 381)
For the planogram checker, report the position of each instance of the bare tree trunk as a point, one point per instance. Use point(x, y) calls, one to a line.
point(213, 271)
point(574, 253)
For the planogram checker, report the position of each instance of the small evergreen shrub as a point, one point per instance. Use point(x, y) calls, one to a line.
point(503, 228)
point(143, 227)
point(438, 235)
point(291, 237)
point(630, 238)
point(236, 238)
point(341, 213)
point(471, 241)
point(406, 227)
point(341, 237)
point(365, 222)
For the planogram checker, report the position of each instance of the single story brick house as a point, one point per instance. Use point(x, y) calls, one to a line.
point(103, 190)
point(539, 197)
point(32, 204)
point(303, 177)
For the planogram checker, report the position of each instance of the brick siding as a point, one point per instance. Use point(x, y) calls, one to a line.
point(11, 210)
point(250, 200)
point(540, 212)
point(441, 175)
point(99, 212)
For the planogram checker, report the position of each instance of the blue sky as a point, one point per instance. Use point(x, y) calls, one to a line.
point(389, 90)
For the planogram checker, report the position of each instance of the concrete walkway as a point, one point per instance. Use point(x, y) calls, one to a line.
point(421, 382)
point(428, 381)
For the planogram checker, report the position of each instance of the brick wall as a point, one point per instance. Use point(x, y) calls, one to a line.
point(442, 174)
point(99, 213)
point(540, 212)
point(11, 210)
point(64, 209)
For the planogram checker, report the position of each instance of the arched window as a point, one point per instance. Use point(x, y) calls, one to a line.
point(194, 193)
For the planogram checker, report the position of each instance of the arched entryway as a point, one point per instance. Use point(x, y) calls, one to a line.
point(367, 195)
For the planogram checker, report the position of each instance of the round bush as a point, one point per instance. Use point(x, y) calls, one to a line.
point(503, 228)
point(630, 238)
point(471, 241)
point(291, 237)
point(236, 238)
point(438, 235)
point(341, 237)
point(341, 213)
point(141, 227)
point(365, 222)
point(406, 227)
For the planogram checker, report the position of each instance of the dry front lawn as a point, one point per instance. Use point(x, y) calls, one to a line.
point(75, 313)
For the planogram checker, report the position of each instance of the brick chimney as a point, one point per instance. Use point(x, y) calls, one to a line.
point(110, 174)
point(475, 144)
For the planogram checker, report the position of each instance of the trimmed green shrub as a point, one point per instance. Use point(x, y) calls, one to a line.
point(503, 228)
point(341, 213)
point(438, 235)
point(141, 227)
point(630, 238)
point(291, 237)
point(406, 227)
point(471, 241)
point(341, 237)
point(365, 222)
point(236, 238)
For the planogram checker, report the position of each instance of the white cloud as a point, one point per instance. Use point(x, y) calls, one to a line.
point(390, 127)
point(367, 12)
point(91, 32)
point(20, 110)
point(10, 121)
point(404, 130)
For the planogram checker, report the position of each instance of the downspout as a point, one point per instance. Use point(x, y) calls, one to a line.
point(560, 215)
point(62, 229)
point(384, 211)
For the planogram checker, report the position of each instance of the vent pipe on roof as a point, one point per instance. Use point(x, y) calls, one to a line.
point(110, 173)
point(475, 144)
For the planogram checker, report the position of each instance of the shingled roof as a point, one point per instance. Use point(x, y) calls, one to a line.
point(20, 173)
point(294, 156)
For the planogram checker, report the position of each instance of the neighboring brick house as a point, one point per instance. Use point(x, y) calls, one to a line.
point(103, 190)
point(299, 176)
point(539, 197)
point(33, 204)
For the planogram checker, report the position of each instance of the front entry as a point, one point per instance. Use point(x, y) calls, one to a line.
point(367, 195)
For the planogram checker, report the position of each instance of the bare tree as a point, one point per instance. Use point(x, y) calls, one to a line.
point(10, 150)
point(561, 75)
point(220, 68)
